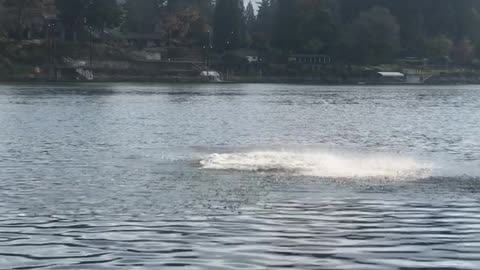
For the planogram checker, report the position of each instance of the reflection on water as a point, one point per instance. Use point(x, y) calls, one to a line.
point(142, 176)
point(345, 234)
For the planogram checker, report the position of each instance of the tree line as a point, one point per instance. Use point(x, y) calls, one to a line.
point(367, 31)
point(351, 31)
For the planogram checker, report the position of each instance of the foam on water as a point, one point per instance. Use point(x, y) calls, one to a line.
point(319, 164)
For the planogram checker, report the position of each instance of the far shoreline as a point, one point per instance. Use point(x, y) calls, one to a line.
point(200, 82)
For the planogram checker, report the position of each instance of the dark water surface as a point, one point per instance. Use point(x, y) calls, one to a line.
point(156, 176)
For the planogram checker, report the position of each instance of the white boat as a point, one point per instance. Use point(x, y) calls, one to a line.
point(211, 76)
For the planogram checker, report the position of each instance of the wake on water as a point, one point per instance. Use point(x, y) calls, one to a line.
point(319, 164)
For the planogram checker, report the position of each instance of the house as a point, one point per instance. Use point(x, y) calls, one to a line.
point(311, 62)
point(390, 77)
point(250, 55)
point(142, 40)
point(309, 59)
point(253, 59)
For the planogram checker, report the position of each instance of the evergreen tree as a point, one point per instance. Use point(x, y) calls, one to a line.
point(261, 31)
point(103, 13)
point(264, 17)
point(437, 49)
point(73, 14)
point(374, 37)
point(204, 7)
point(307, 26)
point(316, 27)
point(76, 14)
point(285, 22)
point(366, 31)
point(142, 15)
point(250, 18)
point(229, 29)
point(22, 16)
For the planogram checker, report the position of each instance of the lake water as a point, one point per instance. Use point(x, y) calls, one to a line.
point(158, 176)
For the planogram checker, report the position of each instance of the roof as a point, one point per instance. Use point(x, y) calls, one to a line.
point(210, 73)
point(391, 74)
point(246, 52)
point(144, 36)
point(309, 55)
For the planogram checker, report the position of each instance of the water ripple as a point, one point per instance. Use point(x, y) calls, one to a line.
point(340, 235)
point(107, 176)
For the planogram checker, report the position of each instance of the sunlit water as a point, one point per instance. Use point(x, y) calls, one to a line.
point(144, 176)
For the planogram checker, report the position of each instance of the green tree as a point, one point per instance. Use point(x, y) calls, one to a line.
point(463, 52)
point(411, 18)
point(350, 9)
point(264, 18)
point(308, 26)
point(437, 49)
point(3, 20)
point(98, 14)
point(285, 25)
point(142, 16)
point(250, 18)
point(102, 14)
point(185, 27)
point(228, 25)
point(373, 37)
point(261, 32)
point(423, 19)
point(316, 29)
point(73, 15)
point(204, 7)
point(22, 17)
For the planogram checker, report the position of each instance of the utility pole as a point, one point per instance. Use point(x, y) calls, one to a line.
point(230, 41)
point(90, 28)
point(54, 50)
point(169, 37)
point(52, 72)
point(91, 46)
point(49, 49)
point(90, 40)
point(209, 46)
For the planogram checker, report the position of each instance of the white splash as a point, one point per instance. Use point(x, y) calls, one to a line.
point(319, 164)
